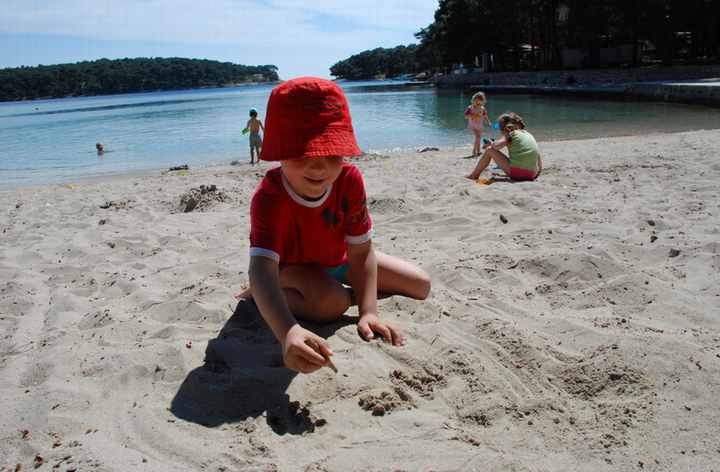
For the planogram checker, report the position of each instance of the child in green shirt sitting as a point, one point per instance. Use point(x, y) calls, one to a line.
point(523, 161)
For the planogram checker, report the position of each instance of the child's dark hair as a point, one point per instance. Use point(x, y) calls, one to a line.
point(511, 118)
point(253, 113)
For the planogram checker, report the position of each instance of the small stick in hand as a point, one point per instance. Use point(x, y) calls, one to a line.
point(331, 365)
point(316, 348)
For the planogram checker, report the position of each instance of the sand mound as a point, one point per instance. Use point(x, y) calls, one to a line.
point(201, 199)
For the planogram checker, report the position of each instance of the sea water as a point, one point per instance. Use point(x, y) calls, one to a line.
point(53, 141)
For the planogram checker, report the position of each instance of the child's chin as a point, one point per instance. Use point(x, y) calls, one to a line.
point(313, 192)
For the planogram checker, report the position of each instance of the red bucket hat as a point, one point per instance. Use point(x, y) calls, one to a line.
point(308, 117)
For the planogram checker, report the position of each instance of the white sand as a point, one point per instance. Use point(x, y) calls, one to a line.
point(564, 340)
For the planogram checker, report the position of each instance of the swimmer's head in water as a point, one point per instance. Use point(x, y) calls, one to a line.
point(100, 147)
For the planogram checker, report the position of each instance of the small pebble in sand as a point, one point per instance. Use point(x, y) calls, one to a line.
point(674, 253)
point(378, 410)
point(102, 221)
point(651, 222)
point(653, 238)
point(38, 461)
point(503, 219)
point(188, 344)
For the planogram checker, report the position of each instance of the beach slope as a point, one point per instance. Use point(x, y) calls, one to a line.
point(572, 326)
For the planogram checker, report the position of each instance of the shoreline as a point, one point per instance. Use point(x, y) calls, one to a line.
point(691, 93)
point(668, 84)
point(222, 165)
point(207, 87)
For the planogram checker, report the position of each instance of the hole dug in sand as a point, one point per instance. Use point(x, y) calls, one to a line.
point(294, 419)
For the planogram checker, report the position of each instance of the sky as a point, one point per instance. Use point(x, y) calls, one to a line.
point(301, 37)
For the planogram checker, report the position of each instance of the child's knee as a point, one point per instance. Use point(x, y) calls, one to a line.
point(330, 305)
point(423, 285)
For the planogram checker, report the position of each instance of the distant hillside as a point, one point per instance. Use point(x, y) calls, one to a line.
point(106, 76)
point(378, 63)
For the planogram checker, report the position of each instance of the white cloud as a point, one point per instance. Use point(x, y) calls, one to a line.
point(192, 21)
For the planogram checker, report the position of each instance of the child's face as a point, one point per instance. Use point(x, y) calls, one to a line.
point(478, 101)
point(310, 177)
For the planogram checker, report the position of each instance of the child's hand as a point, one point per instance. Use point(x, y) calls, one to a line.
point(370, 324)
point(304, 351)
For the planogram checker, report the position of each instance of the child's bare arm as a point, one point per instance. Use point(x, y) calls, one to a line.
point(363, 263)
point(363, 276)
point(487, 119)
point(303, 351)
point(499, 143)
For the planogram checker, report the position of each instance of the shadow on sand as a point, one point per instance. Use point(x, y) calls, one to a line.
point(243, 376)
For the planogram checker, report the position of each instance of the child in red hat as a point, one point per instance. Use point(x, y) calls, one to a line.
point(311, 233)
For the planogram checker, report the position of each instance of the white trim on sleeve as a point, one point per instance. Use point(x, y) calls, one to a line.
point(261, 252)
point(360, 239)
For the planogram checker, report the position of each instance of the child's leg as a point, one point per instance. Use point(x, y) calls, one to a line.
point(500, 159)
point(400, 277)
point(490, 155)
point(312, 294)
point(478, 142)
point(483, 162)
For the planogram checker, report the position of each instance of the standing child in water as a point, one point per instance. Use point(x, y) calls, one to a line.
point(310, 231)
point(254, 125)
point(476, 114)
point(523, 161)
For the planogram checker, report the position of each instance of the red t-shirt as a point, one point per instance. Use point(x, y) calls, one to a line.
point(286, 227)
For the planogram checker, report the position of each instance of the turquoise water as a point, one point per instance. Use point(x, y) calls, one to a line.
point(49, 141)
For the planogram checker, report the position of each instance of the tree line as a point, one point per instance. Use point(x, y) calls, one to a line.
point(379, 63)
point(106, 76)
point(515, 35)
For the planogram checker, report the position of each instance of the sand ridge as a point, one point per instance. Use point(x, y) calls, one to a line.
point(577, 332)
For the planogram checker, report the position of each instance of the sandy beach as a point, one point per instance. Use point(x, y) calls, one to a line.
point(573, 323)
